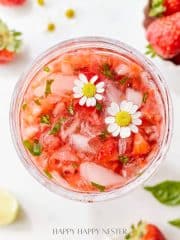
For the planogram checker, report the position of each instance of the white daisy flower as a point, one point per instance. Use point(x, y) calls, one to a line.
point(88, 91)
point(124, 119)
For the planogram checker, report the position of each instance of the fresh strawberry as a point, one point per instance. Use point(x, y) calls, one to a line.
point(163, 35)
point(140, 146)
point(6, 56)
point(164, 7)
point(12, 2)
point(9, 43)
point(145, 231)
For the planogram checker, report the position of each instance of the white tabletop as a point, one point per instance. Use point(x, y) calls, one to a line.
point(43, 210)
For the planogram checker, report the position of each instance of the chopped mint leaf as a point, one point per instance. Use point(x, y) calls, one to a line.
point(48, 174)
point(48, 87)
point(98, 186)
point(75, 165)
point(57, 126)
point(103, 135)
point(37, 101)
point(45, 119)
point(123, 159)
point(46, 69)
point(99, 106)
point(24, 106)
point(107, 71)
point(145, 97)
point(70, 109)
point(16, 34)
point(123, 80)
point(34, 148)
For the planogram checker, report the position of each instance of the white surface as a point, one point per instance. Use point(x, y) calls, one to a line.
point(42, 210)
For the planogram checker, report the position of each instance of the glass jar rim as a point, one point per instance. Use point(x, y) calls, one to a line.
point(63, 47)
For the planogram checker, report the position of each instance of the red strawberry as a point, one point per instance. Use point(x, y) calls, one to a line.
point(9, 43)
point(12, 2)
point(6, 56)
point(145, 231)
point(163, 35)
point(164, 7)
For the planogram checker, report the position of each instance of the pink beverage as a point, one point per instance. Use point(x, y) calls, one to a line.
point(91, 118)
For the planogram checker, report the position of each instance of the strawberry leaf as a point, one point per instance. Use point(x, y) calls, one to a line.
point(150, 51)
point(157, 8)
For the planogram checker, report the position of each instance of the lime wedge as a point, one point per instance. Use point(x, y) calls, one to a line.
point(9, 208)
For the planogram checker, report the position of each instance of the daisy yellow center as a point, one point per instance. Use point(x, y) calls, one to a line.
point(123, 118)
point(89, 90)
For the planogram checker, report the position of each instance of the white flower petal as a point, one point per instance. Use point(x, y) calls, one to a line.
point(133, 109)
point(77, 95)
point(137, 121)
point(100, 85)
point(113, 109)
point(93, 101)
point(98, 96)
point(125, 132)
point(109, 120)
point(93, 79)
point(78, 83)
point(101, 90)
point(136, 115)
point(112, 127)
point(83, 78)
point(77, 90)
point(88, 102)
point(82, 101)
point(133, 128)
point(116, 132)
point(127, 107)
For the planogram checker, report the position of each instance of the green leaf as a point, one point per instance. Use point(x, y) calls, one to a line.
point(34, 147)
point(123, 159)
point(70, 109)
point(107, 71)
point(99, 106)
point(48, 87)
point(167, 192)
point(46, 69)
point(45, 119)
point(123, 80)
point(150, 51)
point(57, 126)
point(98, 186)
point(104, 134)
point(145, 97)
point(157, 8)
point(175, 222)
point(16, 34)
point(48, 174)
point(37, 101)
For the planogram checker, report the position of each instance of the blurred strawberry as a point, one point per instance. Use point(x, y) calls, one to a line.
point(145, 231)
point(9, 43)
point(163, 35)
point(12, 2)
point(164, 7)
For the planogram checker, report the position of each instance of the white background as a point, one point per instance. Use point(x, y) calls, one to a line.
point(43, 210)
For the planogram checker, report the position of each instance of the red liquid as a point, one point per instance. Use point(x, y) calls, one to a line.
point(69, 142)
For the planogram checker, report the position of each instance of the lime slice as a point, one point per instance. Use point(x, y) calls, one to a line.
point(9, 208)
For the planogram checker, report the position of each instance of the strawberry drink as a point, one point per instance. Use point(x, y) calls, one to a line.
point(91, 119)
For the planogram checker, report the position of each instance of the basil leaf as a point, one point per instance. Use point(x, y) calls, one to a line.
point(46, 69)
point(48, 87)
point(98, 186)
point(123, 80)
point(175, 222)
point(70, 109)
point(167, 192)
point(107, 71)
point(99, 106)
point(123, 159)
point(45, 119)
point(57, 126)
point(48, 174)
point(34, 148)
